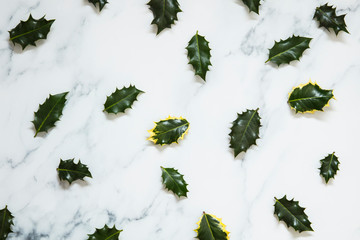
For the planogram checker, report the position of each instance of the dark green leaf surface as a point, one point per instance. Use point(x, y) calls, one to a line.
point(169, 130)
point(211, 228)
point(100, 2)
point(288, 50)
point(253, 5)
point(6, 221)
point(327, 18)
point(199, 55)
point(245, 131)
point(49, 112)
point(292, 214)
point(121, 99)
point(174, 181)
point(26, 33)
point(70, 171)
point(105, 233)
point(309, 97)
point(165, 13)
point(329, 166)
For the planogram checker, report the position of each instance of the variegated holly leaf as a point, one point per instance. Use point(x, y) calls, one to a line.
point(121, 99)
point(253, 5)
point(26, 33)
point(309, 98)
point(6, 221)
point(101, 3)
point(169, 130)
point(329, 166)
point(165, 13)
point(288, 50)
point(105, 233)
point(211, 228)
point(292, 214)
point(174, 181)
point(70, 171)
point(327, 18)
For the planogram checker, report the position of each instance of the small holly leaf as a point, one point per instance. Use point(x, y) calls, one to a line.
point(174, 181)
point(105, 233)
point(70, 171)
point(253, 5)
point(100, 2)
point(199, 55)
point(169, 130)
point(211, 228)
point(26, 33)
point(121, 99)
point(245, 131)
point(165, 13)
point(309, 98)
point(292, 214)
point(6, 221)
point(288, 50)
point(327, 18)
point(49, 112)
point(329, 166)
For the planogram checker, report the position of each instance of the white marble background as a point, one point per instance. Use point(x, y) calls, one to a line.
point(90, 54)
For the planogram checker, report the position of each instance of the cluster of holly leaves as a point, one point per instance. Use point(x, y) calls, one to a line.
point(244, 131)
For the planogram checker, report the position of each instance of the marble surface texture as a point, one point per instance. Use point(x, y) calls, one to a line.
point(89, 54)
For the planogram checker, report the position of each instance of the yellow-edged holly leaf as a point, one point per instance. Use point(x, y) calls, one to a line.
point(211, 228)
point(174, 181)
point(329, 166)
point(169, 130)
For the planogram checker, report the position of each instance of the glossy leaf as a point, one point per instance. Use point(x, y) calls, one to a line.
point(292, 214)
point(327, 18)
point(121, 99)
point(101, 3)
point(253, 5)
point(245, 131)
point(309, 98)
point(165, 13)
point(174, 181)
point(6, 221)
point(169, 130)
point(26, 33)
point(70, 171)
point(329, 167)
point(49, 112)
point(105, 233)
point(211, 228)
point(288, 50)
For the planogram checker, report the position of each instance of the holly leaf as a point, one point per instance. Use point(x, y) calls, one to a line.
point(70, 171)
point(288, 50)
point(199, 55)
point(174, 181)
point(329, 166)
point(169, 130)
point(309, 98)
point(100, 2)
point(26, 33)
point(327, 18)
point(165, 13)
point(121, 99)
point(49, 112)
point(253, 5)
point(245, 131)
point(292, 214)
point(211, 228)
point(105, 233)
point(6, 221)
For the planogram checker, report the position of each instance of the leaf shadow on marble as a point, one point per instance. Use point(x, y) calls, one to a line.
point(16, 48)
point(294, 233)
point(65, 185)
point(318, 115)
point(333, 37)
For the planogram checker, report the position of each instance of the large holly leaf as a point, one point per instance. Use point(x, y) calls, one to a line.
point(105, 233)
point(6, 221)
point(169, 130)
point(245, 131)
point(329, 166)
point(288, 50)
point(309, 97)
point(327, 18)
point(121, 99)
point(174, 181)
point(199, 55)
point(165, 13)
point(253, 5)
point(26, 33)
point(49, 112)
point(100, 2)
point(70, 171)
point(211, 228)
point(292, 214)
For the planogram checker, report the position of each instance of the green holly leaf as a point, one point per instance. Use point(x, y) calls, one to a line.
point(169, 130)
point(327, 18)
point(105, 233)
point(26, 33)
point(288, 50)
point(6, 221)
point(199, 55)
point(292, 214)
point(49, 112)
point(329, 166)
point(165, 13)
point(121, 99)
point(70, 171)
point(211, 228)
point(245, 131)
point(309, 98)
point(174, 181)
point(253, 5)
point(100, 2)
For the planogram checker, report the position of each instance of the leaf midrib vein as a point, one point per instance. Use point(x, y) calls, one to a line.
point(247, 125)
point(198, 50)
point(119, 101)
point(34, 30)
point(69, 170)
point(324, 14)
point(285, 51)
point(300, 99)
point(330, 162)
point(171, 177)
point(207, 222)
point(113, 234)
point(172, 129)
point(291, 213)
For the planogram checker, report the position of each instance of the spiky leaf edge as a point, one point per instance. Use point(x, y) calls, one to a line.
point(223, 226)
point(322, 162)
